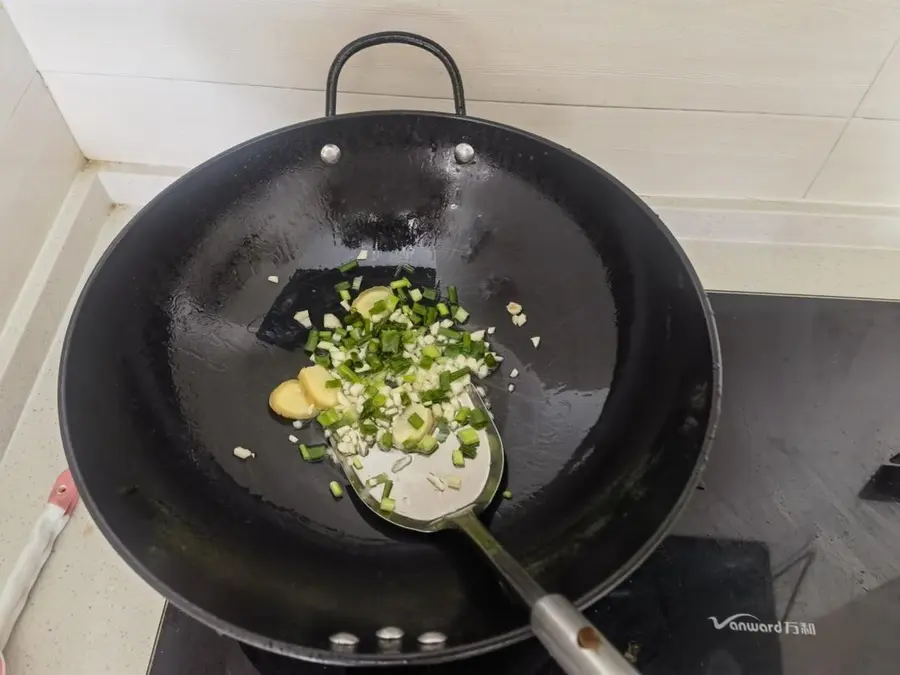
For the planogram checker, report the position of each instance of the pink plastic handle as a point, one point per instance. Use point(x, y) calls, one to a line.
point(64, 494)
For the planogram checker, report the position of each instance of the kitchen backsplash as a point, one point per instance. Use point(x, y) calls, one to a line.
point(38, 160)
point(772, 99)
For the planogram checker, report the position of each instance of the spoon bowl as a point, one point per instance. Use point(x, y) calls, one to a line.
point(428, 500)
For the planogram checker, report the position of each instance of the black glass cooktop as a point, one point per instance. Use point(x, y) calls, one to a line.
point(786, 561)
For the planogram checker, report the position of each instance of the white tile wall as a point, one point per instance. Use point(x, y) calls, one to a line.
point(883, 99)
point(720, 98)
point(654, 151)
point(797, 56)
point(16, 68)
point(865, 165)
point(38, 161)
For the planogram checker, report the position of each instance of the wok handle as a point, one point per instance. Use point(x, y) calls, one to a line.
point(400, 38)
point(567, 634)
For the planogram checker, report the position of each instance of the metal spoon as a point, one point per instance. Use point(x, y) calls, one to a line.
point(570, 638)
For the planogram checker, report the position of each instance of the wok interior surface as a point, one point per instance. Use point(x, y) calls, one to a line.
point(179, 337)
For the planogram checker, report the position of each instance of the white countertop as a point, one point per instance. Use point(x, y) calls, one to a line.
point(90, 614)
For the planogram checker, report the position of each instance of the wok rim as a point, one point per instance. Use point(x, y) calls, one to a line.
point(459, 652)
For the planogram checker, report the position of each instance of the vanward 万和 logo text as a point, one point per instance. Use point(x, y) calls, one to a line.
point(747, 623)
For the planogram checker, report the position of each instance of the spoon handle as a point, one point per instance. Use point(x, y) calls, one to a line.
point(567, 634)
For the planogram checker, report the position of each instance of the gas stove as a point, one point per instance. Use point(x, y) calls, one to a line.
point(786, 561)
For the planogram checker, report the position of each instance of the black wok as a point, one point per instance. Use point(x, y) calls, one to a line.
point(178, 338)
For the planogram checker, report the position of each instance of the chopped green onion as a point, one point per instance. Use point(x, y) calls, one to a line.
point(409, 378)
point(401, 295)
point(387, 440)
point(457, 374)
point(342, 286)
point(312, 453)
point(428, 444)
point(454, 482)
point(442, 309)
point(406, 267)
point(387, 505)
point(379, 400)
point(458, 459)
point(336, 490)
point(449, 333)
point(431, 315)
point(453, 295)
point(429, 294)
point(348, 418)
point(333, 384)
point(378, 480)
point(421, 310)
point(426, 362)
point(434, 395)
point(478, 418)
point(390, 341)
point(469, 451)
point(357, 283)
point(410, 444)
point(323, 360)
point(507, 494)
point(345, 295)
point(349, 266)
point(388, 486)
point(415, 421)
point(311, 341)
point(325, 334)
point(404, 398)
point(398, 284)
point(467, 343)
point(328, 418)
point(462, 415)
point(415, 294)
point(490, 361)
point(399, 365)
point(371, 390)
point(452, 351)
point(431, 351)
point(357, 463)
point(461, 315)
point(347, 373)
point(368, 429)
point(444, 379)
point(467, 436)
point(378, 307)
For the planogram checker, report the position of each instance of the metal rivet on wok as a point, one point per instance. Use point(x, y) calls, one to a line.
point(432, 640)
point(464, 152)
point(344, 641)
point(330, 153)
point(389, 633)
